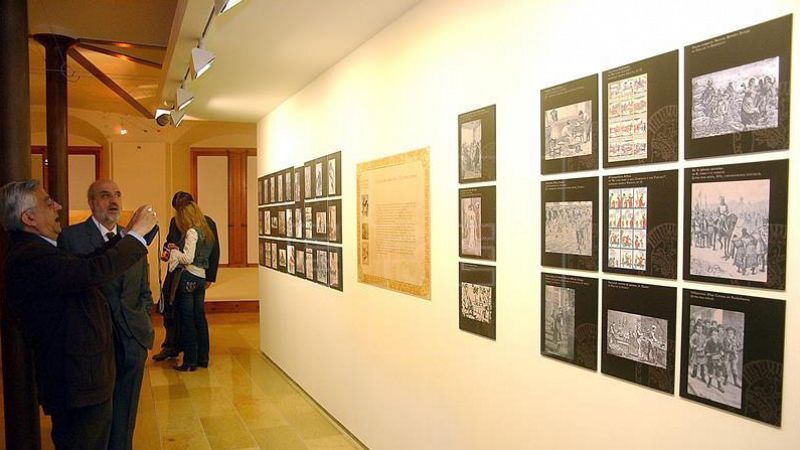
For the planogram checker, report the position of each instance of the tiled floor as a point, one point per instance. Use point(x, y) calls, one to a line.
point(242, 401)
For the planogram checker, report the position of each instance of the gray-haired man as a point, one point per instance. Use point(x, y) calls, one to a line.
point(65, 319)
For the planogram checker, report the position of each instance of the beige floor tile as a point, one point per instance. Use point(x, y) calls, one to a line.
point(231, 441)
point(171, 392)
point(222, 424)
point(241, 401)
point(312, 426)
point(183, 441)
point(330, 443)
point(294, 404)
point(258, 415)
point(280, 438)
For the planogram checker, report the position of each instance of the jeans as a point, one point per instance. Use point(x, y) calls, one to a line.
point(192, 317)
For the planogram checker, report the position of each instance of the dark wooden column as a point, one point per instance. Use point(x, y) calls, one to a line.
point(19, 392)
point(56, 169)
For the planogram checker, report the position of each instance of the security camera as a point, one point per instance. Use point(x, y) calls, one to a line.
point(162, 117)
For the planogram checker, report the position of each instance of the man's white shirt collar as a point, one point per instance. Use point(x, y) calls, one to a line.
point(103, 230)
point(54, 243)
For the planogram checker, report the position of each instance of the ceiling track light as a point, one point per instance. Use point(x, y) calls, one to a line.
point(182, 98)
point(222, 6)
point(177, 117)
point(201, 61)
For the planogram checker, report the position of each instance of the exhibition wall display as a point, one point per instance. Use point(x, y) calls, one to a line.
point(394, 242)
point(566, 273)
point(300, 214)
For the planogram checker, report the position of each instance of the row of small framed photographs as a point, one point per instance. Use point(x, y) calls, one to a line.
point(318, 220)
point(318, 178)
point(734, 228)
point(736, 101)
point(732, 345)
point(321, 264)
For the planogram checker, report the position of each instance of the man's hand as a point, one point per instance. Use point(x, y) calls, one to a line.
point(143, 220)
point(208, 284)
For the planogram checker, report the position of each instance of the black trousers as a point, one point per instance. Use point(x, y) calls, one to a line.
point(189, 300)
point(130, 359)
point(170, 321)
point(86, 428)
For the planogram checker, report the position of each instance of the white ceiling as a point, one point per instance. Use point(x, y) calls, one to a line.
point(267, 50)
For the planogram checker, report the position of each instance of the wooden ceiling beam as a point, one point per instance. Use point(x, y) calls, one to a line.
point(120, 55)
point(86, 64)
point(121, 44)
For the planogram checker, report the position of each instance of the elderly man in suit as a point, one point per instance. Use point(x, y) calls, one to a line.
point(130, 301)
point(64, 317)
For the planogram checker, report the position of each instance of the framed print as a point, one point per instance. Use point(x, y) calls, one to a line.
point(321, 265)
point(569, 126)
point(334, 177)
point(309, 262)
point(320, 167)
point(735, 224)
point(282, 222)
point(640, 111)
point(334, 208)
point(300, 260)
point(261, 191)
point(279, 183)
point(290, 258)
point(737, 91)
point(290, 222)
point(569, 222)
point(274, 254)
point(732, 353)
point(298, 184)
point(477, 299)
point(335, 266)
point(639, 333)
point(308, 222)
point(477, 138)
point(477, 223)
point(282, 258)
point(288, 175)
point(273, 197)
point(273, 221)
point(308, 181)
point(298, 222)
point(320, 216)
point(641, 224)
point(569, 319)
point(262, 252)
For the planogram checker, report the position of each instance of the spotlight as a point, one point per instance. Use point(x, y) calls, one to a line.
point(177, 117)
point(201, 61)
point(182, 98)
point(224, 5)
point(162, 117)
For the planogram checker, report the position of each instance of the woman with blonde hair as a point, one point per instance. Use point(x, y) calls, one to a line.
point(192, 258)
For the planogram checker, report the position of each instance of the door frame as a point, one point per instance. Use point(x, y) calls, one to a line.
point(237, 198)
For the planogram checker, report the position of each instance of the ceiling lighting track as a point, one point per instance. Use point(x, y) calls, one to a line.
point(225, 5)
point(201, 60)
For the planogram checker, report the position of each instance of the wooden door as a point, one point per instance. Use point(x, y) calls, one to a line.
point(220, 185)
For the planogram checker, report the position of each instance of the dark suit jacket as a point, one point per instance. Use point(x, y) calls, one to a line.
point(128, 295)
point(65, 318)
point(174, 237)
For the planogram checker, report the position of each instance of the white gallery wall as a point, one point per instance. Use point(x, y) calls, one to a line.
point(396, 370)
